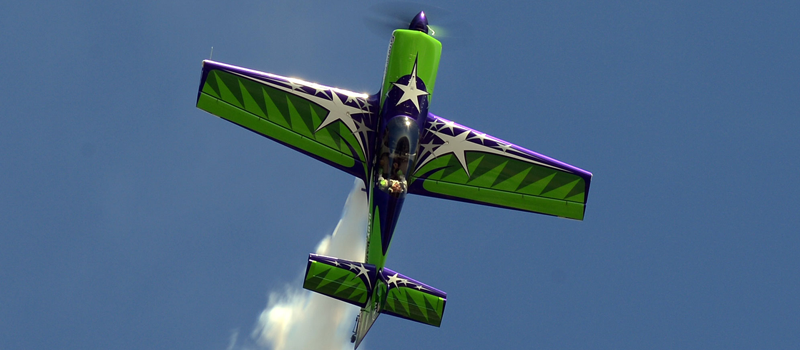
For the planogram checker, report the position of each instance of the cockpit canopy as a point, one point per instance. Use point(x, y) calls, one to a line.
point(398, 154)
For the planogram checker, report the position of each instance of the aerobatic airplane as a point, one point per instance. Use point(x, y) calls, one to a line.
point(391, 142)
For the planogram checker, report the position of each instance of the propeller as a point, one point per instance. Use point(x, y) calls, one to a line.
point(383, 18)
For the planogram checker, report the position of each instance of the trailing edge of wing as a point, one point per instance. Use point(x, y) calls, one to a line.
point(333, 125)
point(463, 164)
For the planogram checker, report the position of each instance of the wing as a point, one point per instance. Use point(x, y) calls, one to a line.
point(329, 124)
point(463, 164)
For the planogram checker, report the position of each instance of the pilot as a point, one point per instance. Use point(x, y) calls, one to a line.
point(382, 183)
point(397, 187)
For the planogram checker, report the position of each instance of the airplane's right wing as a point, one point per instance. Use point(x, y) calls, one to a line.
point(459, 163)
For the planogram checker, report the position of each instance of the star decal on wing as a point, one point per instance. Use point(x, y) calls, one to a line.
point(459, 140)
point(428, 148)
point(479, 136)
point(362, 128)
point(295, 85)
point(449, 125)
point(435, 124)
point(458, 146)
point(503, 147)
point(337, 109)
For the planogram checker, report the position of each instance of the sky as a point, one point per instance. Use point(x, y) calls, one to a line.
point(133, 220)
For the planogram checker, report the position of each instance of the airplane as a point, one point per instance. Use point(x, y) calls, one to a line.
point(397, 147)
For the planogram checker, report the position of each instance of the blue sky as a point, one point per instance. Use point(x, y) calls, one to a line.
point(133, 220)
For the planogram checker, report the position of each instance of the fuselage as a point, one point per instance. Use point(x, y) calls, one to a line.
point(408, 84)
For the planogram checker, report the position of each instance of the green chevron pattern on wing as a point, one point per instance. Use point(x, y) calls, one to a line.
point(416, 305)
point(336, 282)
point(503, 181)
point(281, 116)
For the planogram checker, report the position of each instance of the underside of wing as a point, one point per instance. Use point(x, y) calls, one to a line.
point(459, 163)
point(333, 125)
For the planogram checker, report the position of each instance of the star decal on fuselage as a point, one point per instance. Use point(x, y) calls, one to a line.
point(410, 91)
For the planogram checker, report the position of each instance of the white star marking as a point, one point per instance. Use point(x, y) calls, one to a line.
point(435, 124)
point(322, 90)
point(410, 91)
point(362, 103)
point(479, 136)
point(340, 111)
point(362, 128)
point(361, 271)
point(419, 287)
point(427, 148)
point(503, 146)
point(449, 125)
point(336, 109)
point(394, 279)
point(458, 145)
point(295, 85)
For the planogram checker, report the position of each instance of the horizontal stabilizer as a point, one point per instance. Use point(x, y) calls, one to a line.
point(413, 300)
point(348, 281)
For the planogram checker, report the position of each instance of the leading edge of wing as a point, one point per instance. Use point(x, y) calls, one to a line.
point(460, 163)
point(332, 125)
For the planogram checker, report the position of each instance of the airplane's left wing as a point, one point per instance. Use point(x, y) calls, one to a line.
point(459, 163)
point(333, 125)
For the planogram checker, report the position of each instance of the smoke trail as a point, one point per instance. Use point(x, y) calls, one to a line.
point(299, 319)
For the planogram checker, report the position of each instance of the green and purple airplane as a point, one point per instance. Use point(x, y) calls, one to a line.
point(391, 142)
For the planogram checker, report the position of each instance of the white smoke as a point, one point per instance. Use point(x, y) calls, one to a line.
point(299, 319)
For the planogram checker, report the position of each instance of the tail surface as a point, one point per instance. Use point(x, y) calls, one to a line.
point(375, 291)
